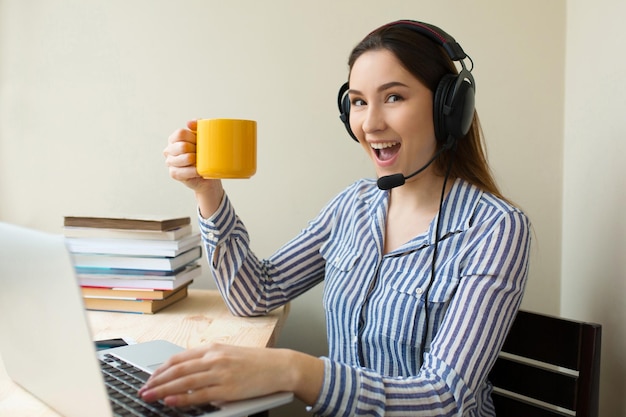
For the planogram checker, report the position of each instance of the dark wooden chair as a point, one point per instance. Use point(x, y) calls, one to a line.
point(548, 367)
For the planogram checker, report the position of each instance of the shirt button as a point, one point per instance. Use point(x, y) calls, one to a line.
point(355, 339)
point(211, 235)
point(418, 291)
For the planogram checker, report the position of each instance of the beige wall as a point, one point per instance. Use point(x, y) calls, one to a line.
point(593, 276)
point(89, 92)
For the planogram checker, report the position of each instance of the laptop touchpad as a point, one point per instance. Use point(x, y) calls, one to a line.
point(147, 355)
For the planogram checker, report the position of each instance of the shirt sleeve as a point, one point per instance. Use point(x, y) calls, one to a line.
point(465, 346)
point(252, 286)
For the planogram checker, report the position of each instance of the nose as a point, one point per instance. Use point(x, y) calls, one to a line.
point(374, 120)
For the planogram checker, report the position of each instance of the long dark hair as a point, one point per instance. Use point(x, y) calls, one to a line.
point(429, 62)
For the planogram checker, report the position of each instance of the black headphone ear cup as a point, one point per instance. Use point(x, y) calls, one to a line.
point(444, 87)
point(453, 107)
point(344, 109)
point(462, 110)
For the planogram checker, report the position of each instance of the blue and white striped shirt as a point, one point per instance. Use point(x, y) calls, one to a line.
point(374, 303)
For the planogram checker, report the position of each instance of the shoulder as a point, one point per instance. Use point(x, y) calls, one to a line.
point(476, 206)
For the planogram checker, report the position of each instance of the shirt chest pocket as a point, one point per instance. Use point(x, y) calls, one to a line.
point(441, 289)
point(341, 264)
point(407, 294)
point(339, 256)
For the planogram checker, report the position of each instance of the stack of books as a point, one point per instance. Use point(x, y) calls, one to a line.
point(135, 265)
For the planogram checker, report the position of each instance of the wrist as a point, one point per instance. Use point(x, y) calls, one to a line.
point(304, 375)
point(209, 199)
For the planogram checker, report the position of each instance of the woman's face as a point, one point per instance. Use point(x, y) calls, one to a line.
point(391, 113)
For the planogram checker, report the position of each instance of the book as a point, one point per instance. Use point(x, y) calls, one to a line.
point(141, 223)
point(129, 279)
point(126, 293)
point(134, 306)
point(148, 263)
point(95, 270)
point(134, 247)
point(105, 233)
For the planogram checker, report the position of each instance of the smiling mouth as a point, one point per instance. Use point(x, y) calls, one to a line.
point(385, 150)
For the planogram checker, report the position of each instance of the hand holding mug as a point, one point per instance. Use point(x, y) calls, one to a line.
point(180, 156)
point(222, 148)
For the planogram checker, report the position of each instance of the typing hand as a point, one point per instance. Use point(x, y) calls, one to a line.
point(218, 373)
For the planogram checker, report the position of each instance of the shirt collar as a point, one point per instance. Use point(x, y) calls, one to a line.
point(458, 209)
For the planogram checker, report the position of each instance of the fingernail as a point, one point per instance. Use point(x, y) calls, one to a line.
point(148, 396)
point(170, 401)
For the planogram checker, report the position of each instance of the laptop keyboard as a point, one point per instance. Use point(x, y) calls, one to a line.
point(123, 380)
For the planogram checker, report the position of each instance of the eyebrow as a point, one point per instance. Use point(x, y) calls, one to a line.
point(383, 87)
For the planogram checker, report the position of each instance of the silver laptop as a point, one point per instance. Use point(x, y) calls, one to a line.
point(45, 340)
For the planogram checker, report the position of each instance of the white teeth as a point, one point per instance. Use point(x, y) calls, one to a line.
point(383, 145)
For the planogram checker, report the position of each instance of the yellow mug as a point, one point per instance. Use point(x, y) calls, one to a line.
point(226, 148)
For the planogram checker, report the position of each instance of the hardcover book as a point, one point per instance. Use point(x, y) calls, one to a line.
point(141, 223)
point(94, 232)
point(134, 306)
point(134, 247)
point(126, 293)
point(148, 263)
point(128, 279)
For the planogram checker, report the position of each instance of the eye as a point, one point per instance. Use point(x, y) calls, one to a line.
point(357, 102)
point(393, 98)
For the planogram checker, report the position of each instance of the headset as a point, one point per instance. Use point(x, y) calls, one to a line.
point(453, 102)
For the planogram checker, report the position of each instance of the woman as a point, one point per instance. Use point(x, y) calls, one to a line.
point(422, 279)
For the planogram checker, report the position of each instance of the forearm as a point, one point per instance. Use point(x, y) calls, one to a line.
point(348, 391)
point(251, 286)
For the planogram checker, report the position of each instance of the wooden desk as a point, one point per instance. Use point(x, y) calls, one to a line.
point(200, 318)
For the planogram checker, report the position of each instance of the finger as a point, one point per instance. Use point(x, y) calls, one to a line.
point(191, 390)
point(179, 147)
point(192, 125)
point(181, 160)
point(177, 378)
point(206, 395)
point(172, 391)
point(184, 173)
point(189, 355)
point(179, 358)
point(182, 135)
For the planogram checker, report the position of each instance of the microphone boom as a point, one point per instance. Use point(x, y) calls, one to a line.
point(388, 182)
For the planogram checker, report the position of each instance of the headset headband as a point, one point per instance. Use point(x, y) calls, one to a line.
point(453, 49)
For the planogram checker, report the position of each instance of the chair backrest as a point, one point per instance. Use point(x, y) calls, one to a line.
point(548, 367)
